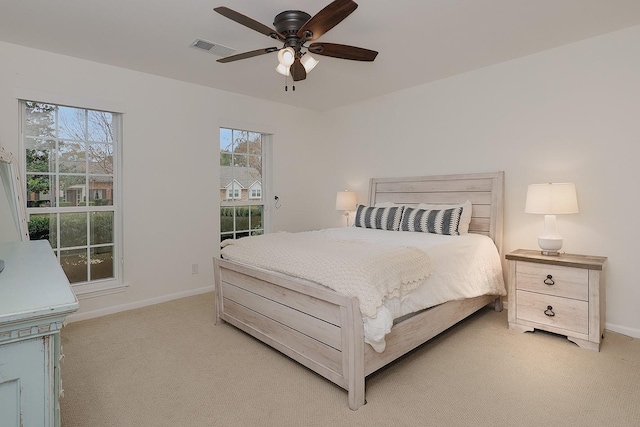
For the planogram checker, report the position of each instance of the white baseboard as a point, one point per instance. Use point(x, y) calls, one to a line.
point(630, 332)
point(136, 304)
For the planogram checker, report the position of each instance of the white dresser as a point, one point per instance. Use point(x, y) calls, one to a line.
point(35, 298)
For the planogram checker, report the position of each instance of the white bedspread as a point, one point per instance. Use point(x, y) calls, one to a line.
point(461, 267)
point(352, 267)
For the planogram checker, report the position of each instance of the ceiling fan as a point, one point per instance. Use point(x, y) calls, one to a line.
point(294, 29)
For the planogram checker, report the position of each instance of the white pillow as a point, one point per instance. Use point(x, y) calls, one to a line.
point(465, 219)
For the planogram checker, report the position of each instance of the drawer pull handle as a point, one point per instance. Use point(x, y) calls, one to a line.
point(549, 280)
point(549, 311)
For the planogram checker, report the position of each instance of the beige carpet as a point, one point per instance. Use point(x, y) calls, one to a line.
point(168, 365)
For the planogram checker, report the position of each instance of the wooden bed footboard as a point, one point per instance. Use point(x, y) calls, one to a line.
point(315, 326)
point(319, 328)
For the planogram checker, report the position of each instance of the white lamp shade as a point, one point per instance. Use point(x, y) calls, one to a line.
point(551, 199)
point(286, 56)
point(308, 62)
point(346, 200)
point(283, 70)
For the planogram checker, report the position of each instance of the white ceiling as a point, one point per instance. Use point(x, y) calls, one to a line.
point(419, 40)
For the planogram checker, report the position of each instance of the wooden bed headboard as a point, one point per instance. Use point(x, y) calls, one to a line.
point(484, 190)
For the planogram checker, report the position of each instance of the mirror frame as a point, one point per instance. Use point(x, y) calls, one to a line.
point(15, 186)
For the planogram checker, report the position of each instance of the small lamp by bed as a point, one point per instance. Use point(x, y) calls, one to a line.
point(551, 199)
point(346, 201)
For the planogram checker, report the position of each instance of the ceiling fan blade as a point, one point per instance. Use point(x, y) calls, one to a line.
point(248, 22)
point(327, 18)
point(343, 51)
point(297, 71)
point(246, 55)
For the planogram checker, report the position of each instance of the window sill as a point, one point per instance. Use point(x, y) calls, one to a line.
point(98, 289)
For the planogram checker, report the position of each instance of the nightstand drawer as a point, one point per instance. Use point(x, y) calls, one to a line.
point(555, 280)
point(569, 314)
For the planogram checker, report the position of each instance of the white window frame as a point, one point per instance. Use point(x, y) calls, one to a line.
point(267, 142)
point(100, 286)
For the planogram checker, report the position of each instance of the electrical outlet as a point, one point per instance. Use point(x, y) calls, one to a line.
point(194, 268)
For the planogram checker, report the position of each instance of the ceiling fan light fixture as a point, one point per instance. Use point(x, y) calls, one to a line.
point(308, 62)
point(286, 56)
point(283, 70)
point(294, 29)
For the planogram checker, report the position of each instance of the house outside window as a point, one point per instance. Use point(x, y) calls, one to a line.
point(70, 158)
point(242, 172)
point(255, 190)
point(234, 190)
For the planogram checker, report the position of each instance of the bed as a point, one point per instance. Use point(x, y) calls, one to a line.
point(323, 329)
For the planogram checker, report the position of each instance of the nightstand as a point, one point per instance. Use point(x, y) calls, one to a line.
point(563, 294)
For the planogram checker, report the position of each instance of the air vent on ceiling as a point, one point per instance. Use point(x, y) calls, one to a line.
point(211, 47)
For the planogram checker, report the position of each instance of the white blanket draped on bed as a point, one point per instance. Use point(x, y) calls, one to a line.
point(458, 267)
point(353, 267)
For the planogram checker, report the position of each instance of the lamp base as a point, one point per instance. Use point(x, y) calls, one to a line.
point(550, 245)
point(550, 240)
point(550, 253)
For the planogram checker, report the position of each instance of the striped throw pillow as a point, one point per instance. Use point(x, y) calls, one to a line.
point(436, 221)
point(381, 218)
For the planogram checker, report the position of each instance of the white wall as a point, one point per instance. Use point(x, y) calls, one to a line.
point(570, 114)
point(170, 172)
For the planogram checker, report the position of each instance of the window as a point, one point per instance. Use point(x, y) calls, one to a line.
point(242, 155)
point(70, 158)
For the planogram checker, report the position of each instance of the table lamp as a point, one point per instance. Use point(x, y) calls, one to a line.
point(346, 201)
point(551, 199)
